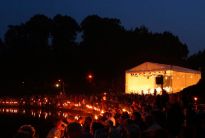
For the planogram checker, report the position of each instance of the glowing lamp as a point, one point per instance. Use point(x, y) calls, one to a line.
point(195, 99)
point(57, 85)
point(104, 98)
point(90, 76)
point(96, 117)
point(76, 117)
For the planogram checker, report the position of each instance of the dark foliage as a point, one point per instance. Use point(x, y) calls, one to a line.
point(42, 50)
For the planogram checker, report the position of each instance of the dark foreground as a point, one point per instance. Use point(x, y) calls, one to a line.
point(9, 124)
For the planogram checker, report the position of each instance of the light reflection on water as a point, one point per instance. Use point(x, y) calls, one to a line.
point(9, 110)
point(39, 113)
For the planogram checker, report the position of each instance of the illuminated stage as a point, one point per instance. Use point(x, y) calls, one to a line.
point(148, 77)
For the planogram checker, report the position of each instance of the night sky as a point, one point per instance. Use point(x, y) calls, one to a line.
point(184, 18)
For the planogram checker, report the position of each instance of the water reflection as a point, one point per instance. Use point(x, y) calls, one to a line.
point(9, 110)
point(39, 113)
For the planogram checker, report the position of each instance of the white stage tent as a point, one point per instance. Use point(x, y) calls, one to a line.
point(142, 79)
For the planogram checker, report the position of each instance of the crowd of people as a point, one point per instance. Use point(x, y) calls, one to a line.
point(147, 116)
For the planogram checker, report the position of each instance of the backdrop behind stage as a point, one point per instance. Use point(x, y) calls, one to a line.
point(149, 77)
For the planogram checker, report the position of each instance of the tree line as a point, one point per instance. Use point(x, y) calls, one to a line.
point(43, 49)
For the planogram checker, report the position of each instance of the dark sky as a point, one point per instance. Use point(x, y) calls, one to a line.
point(184, 18)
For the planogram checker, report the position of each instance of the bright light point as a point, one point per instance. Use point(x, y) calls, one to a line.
point(90, 76)
point(76, 117)
point(158, 89)
point(123, 110)
point(96, 117)
point(195, 98)
point(152, 91)
point(57, 85)
point(104, 98)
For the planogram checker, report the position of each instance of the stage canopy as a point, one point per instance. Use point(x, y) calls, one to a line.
point(148, 78)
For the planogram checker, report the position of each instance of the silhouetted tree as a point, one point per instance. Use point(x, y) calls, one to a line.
point(169, 44)
point(102, 39)
point(16, 37)
point(196, 61)
point(38, 28)
point(44, 47)
point(103, 44)
point(28, 48)
point(156, 47)
point(2, 46)
point(64, 31)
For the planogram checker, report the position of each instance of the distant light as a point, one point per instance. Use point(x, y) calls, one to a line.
point(57, 85)
point(104, 98)
point(46, 115)
point(96, 117)
point(90, 76)
point(195, 99)
point(76, 118)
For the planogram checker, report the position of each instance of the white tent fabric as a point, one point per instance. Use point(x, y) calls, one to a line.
point(142, 78)
point(149, 66)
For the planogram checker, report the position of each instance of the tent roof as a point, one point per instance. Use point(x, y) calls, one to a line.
point(149, 66)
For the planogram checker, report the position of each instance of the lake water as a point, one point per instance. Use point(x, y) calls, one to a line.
point(12, 118)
